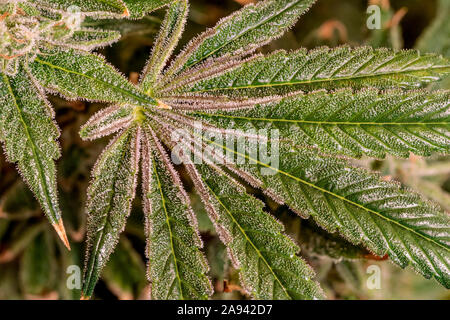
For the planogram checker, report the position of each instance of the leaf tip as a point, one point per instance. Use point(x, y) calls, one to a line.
point(61, 231)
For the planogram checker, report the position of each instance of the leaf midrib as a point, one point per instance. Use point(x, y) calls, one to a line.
point(53, 215)
point(125, 92)
point(311, 185)
point(240, 35)
point(248, 239)
point(105, 220)
point(172, 247)
point(315, 81)
point(350, 123)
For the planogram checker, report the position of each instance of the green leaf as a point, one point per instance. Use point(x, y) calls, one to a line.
point(78, 74)
point(107, 121)
point(29, 135)
point(171, 30)
point(265, 257)
point(91, 7)
point(244, 31)
point(176, 269)
point(378, 214)
point(325, 68)
point(368, 122)
point(90, 39)
point(110, 195)
point(139, 8)
point(146, 27)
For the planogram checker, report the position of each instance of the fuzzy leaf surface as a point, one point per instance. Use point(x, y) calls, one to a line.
point(110, 195)
point(89, 39)
point(90, 7)
point(368, 122)
point(171, 30)
point(78, 74)
point(107, 121)
point(264, 255)
point(139, 8)
point(176, 269)
point(361, 207)
point(325, 68)
point(29, 135)
point(247, 29)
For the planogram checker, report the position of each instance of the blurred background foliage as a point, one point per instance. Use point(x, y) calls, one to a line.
point(33, 263)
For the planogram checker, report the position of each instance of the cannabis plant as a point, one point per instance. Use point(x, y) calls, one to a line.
point(315, 110)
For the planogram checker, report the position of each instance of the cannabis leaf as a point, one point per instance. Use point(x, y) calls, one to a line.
point(378, 214)
point(177, 268)
point(43, 46)
point(29, 134)
point(109, 200)
point(171, 31)
point(171, 223)
point(366, 122)
point(89, 7)
point(139, 8)
point(255, 240)
point(217, 105)
point(78, 74)
point(250, 28)
point(89, 39)
point(322, 68)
